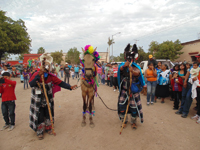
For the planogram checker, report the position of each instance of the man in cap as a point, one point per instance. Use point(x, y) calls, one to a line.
point(67, 72)
point(152, 61)
point(39, 114)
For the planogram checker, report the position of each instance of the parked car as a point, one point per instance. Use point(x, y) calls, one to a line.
point(144, 64)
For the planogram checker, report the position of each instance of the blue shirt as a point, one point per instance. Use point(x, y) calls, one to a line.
point(76, 69)
point(70, 66)
point(163, 80)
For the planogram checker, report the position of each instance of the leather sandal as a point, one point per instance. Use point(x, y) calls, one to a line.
point(134, 126)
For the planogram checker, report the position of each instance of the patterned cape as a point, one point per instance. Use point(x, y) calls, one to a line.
point(36, 103)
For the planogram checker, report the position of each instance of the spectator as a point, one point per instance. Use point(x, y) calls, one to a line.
point(115, 82)
point(197, 116)
point(194, 72)
point(175, 68)
point(159, 66)
point(176, 83)
point(57, 70)
point(99, 71)
point(5, 69)
point(108, 78)
point(70, 66)
point(103, 78)
point(162, 88)
point(72, 73)
point(188, 66)
point(111, 75)
point(61, 71)
point(25, 75)
point(151, 75)
point(186, 95)
point(76, 70)
point(67, 73)
point(7, 89)
point(152, 60)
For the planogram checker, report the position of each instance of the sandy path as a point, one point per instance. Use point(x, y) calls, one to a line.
point(161, 130)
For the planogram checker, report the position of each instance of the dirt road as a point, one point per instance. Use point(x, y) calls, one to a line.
point(162, 128)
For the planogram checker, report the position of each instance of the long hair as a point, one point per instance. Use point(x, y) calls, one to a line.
point(185, 68)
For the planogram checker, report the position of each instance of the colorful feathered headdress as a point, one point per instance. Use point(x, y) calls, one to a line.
point(90, 50)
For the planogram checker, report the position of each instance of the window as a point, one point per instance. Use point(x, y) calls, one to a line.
point(193, 58)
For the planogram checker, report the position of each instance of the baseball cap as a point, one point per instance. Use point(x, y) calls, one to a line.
point(197, 55)
point(150, 56)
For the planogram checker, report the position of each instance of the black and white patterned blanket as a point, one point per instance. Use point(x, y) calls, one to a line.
point(37, 101)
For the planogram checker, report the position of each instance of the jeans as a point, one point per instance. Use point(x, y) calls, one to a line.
point(72, 76)
point(198, 101)
point(25, 83)
point(108, 82)
point(151, 88)
point(177, 97)
point(61, 72)
point(103, 81)
point(66, 78)
point(76, 75)
point(8, 106)
point(111, 81)
point(186, 99)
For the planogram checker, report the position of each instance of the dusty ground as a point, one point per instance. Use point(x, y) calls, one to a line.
point(161, 130)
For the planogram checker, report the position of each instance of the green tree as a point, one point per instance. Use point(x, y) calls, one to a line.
point(41, 50)
point(14, 38)
point(166, 50)
point(142, 55)
point(72, 56)
point(5, 56)
point(57, 56)
point(110, 42)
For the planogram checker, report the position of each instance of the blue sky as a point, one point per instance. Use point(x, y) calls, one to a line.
point(62, 24)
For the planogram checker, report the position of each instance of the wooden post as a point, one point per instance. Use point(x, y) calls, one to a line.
point(50, 115)
point(128, 100)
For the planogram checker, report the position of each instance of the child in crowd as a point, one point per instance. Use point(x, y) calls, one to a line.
point(7, 89)
point(26, 76)
point(72, 72)
point(194, 72)
point(177, 84)
point(115, 70)
point(188, 65)
point(103, 78)
point(108, 78)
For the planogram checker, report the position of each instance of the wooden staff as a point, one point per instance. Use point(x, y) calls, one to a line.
point(128, 100)
point(50, 115)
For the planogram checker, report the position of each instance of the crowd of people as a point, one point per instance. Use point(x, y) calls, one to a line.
point(181, 83)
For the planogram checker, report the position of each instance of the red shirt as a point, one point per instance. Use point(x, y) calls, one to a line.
point(8, 90)
point(180, 84)
point(115, 69)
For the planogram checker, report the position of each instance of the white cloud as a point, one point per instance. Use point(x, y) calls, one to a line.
point(61, 24)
